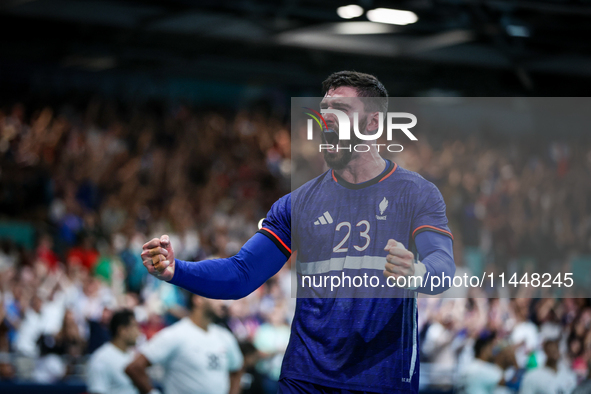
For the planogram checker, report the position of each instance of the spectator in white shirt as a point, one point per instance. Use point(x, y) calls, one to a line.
point(551, 378)
point(525, 334)
point(30, 330)
point(485, 373)
point(106, 368)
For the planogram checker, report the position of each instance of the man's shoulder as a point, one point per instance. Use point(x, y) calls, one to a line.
point(416, 179)
point(103, 352)
point(284, 204)
point(414, 185)
point(312, 184)
point(533, 376)
point(566, 374)
point(183, 324)
point(221, 332)
point(486, 367)
point(173, 331)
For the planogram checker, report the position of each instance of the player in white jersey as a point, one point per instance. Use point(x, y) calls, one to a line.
point(106, 368)
point(199, 357)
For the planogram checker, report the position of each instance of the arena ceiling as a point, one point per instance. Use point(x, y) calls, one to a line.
point(296, 39)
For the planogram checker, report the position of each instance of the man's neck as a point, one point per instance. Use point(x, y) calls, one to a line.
point(363, 168)
point(200, 320)
point(552, 365)
point(120, 344)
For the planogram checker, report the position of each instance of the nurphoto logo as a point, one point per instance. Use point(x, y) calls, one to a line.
point(344, 129)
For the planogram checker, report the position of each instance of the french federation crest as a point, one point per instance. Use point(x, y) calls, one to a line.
point(382, 208)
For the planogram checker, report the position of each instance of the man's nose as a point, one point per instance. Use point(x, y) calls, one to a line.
point(330, 118)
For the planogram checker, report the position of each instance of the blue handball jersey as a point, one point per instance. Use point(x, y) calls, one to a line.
point(341, 338)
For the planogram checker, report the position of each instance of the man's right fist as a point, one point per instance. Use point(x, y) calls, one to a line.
point(158, 258)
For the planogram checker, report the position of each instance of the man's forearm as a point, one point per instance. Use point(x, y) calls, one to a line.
point(235, 382)
point(138, 375)
point(436, 253)
point(234, 277)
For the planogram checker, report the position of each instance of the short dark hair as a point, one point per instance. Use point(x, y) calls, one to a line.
point(122, 318)
point(483, 342)
point(247, 348)
point(366, 85)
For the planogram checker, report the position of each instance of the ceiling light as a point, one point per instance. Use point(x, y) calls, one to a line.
point(350, 11)
point(517, 31)
point(395, 17)
point(355, 28)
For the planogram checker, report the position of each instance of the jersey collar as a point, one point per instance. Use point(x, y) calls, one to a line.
point(390, 168)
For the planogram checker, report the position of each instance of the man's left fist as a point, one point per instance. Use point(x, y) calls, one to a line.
point(399, 262)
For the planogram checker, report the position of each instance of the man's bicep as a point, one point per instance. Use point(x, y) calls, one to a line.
point(430, 242)
point(277, 240)
point(277, 225)
point(262, 256)
point(430, 214)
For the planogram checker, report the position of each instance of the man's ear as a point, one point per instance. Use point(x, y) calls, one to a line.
point(373, 122)
point(197, 300)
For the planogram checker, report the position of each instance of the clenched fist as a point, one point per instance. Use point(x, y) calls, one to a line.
point(158, 258)
point(399, 262)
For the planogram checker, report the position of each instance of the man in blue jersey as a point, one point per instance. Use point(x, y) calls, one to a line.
point(359, 219)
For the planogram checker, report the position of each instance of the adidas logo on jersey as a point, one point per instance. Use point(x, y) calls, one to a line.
point(382, 207)
point(324, 219)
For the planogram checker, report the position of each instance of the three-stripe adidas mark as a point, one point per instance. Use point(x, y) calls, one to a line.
point(324, 219)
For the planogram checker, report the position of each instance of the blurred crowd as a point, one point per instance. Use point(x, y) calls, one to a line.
point(100, 179)
point(525, 196)
point(515, 205)
point(98, 182)
point(517, 330)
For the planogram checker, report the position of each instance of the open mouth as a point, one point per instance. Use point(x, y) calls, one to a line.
point(331, 137)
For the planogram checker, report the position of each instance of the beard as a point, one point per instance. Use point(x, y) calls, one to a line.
point(339, 159)
point(129, 342)
point(211, 315)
